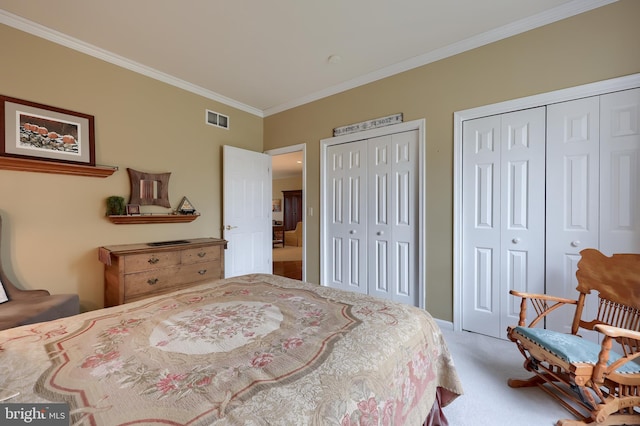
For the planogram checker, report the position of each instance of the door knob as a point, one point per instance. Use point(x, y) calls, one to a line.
point(229, 227)
point(515, 240)
point(379, 232)
point(575, 243)
point(353, 231)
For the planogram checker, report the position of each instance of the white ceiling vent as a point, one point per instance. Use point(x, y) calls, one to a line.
point(216, 119)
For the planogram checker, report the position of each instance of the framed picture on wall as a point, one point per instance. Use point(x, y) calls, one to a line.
point(133, 209)
point(276, 205)
point(40, 132)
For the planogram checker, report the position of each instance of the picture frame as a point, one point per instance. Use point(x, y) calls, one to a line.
point(276, 205)
point(133, 209)
point(45, 133)
point(149, 188)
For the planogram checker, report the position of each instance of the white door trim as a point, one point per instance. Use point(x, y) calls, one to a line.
point(418, 125)
point(592, 89)
point(286, 150)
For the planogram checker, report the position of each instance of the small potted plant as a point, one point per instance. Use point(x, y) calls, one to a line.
point(115, 206)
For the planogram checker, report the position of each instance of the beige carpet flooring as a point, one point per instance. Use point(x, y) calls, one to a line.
point(484, 364)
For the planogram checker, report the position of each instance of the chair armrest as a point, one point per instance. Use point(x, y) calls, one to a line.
point(614, 333)
point(611, 331)
point(20, 294)
point(540, 303)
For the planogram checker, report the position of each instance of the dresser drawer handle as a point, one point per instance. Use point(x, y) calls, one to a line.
point(202, 271)
point(202, 254)
point(153, 260)
point(152, 281)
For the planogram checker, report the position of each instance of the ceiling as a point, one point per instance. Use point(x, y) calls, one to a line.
point(264, 57)
point(287, 165)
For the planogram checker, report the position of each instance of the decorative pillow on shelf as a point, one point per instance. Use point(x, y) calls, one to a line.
point(3, 294)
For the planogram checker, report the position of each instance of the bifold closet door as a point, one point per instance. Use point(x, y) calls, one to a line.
point(573, 207)
point(503, 217)
point(593, 189)
point(392, 217)
point(347, 221)
point(620, 150)
point(373, 216)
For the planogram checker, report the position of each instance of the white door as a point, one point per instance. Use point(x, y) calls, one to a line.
point(503, 217)
point(573, 179)
point(392, 214)
point(346, 175)
point(620, 172)
point(247, 211)
point(593, 191)
point(372, 193)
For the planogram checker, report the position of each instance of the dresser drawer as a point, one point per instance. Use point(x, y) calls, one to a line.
point(201, 254)
point(147, 261)
point(200, 271)
point(150, 281)
point(159, 280)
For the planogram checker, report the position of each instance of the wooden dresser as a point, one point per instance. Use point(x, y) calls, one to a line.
point(136, 271)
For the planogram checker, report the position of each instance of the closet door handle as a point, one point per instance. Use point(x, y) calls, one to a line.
point(380, 233)
point(515, 240)
point(353, 231)
point(575, 243)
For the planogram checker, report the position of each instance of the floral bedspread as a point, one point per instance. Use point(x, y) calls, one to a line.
point(250, 350)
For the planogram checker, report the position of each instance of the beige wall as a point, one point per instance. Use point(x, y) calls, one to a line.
point(593, 46)
point(54, 224)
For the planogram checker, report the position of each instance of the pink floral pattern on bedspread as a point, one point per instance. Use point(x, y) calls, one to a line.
point(256, 349)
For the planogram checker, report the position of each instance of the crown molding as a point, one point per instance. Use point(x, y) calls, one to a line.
point(567, 10)
point(41, 31)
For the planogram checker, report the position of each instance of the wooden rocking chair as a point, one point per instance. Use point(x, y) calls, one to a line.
point(598, 383)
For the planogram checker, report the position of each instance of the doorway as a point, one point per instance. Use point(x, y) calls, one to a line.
point(288, 211)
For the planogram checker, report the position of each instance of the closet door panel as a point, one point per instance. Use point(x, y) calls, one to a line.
point(620, 157)
point(348, 222)
point(573, 180)
point(522, 209)
point(379, 217)
point(481, 225)
point(404, 196)
point(392, 219)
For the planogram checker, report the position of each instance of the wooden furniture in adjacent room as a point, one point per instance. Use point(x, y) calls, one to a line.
point(278, 235)
point(598, 383)
point(136, 271)
point(292, 210)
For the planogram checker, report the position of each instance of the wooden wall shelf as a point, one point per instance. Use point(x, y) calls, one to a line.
point(26, 165)
point(152, 218)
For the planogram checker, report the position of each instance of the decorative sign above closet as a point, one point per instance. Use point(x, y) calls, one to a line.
point(368, 125)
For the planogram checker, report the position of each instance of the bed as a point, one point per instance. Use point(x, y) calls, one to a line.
point(251, 350)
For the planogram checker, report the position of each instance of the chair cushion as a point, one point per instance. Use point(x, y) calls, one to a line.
point(572, 348)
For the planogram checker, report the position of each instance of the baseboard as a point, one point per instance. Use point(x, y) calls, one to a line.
point(444, 325)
